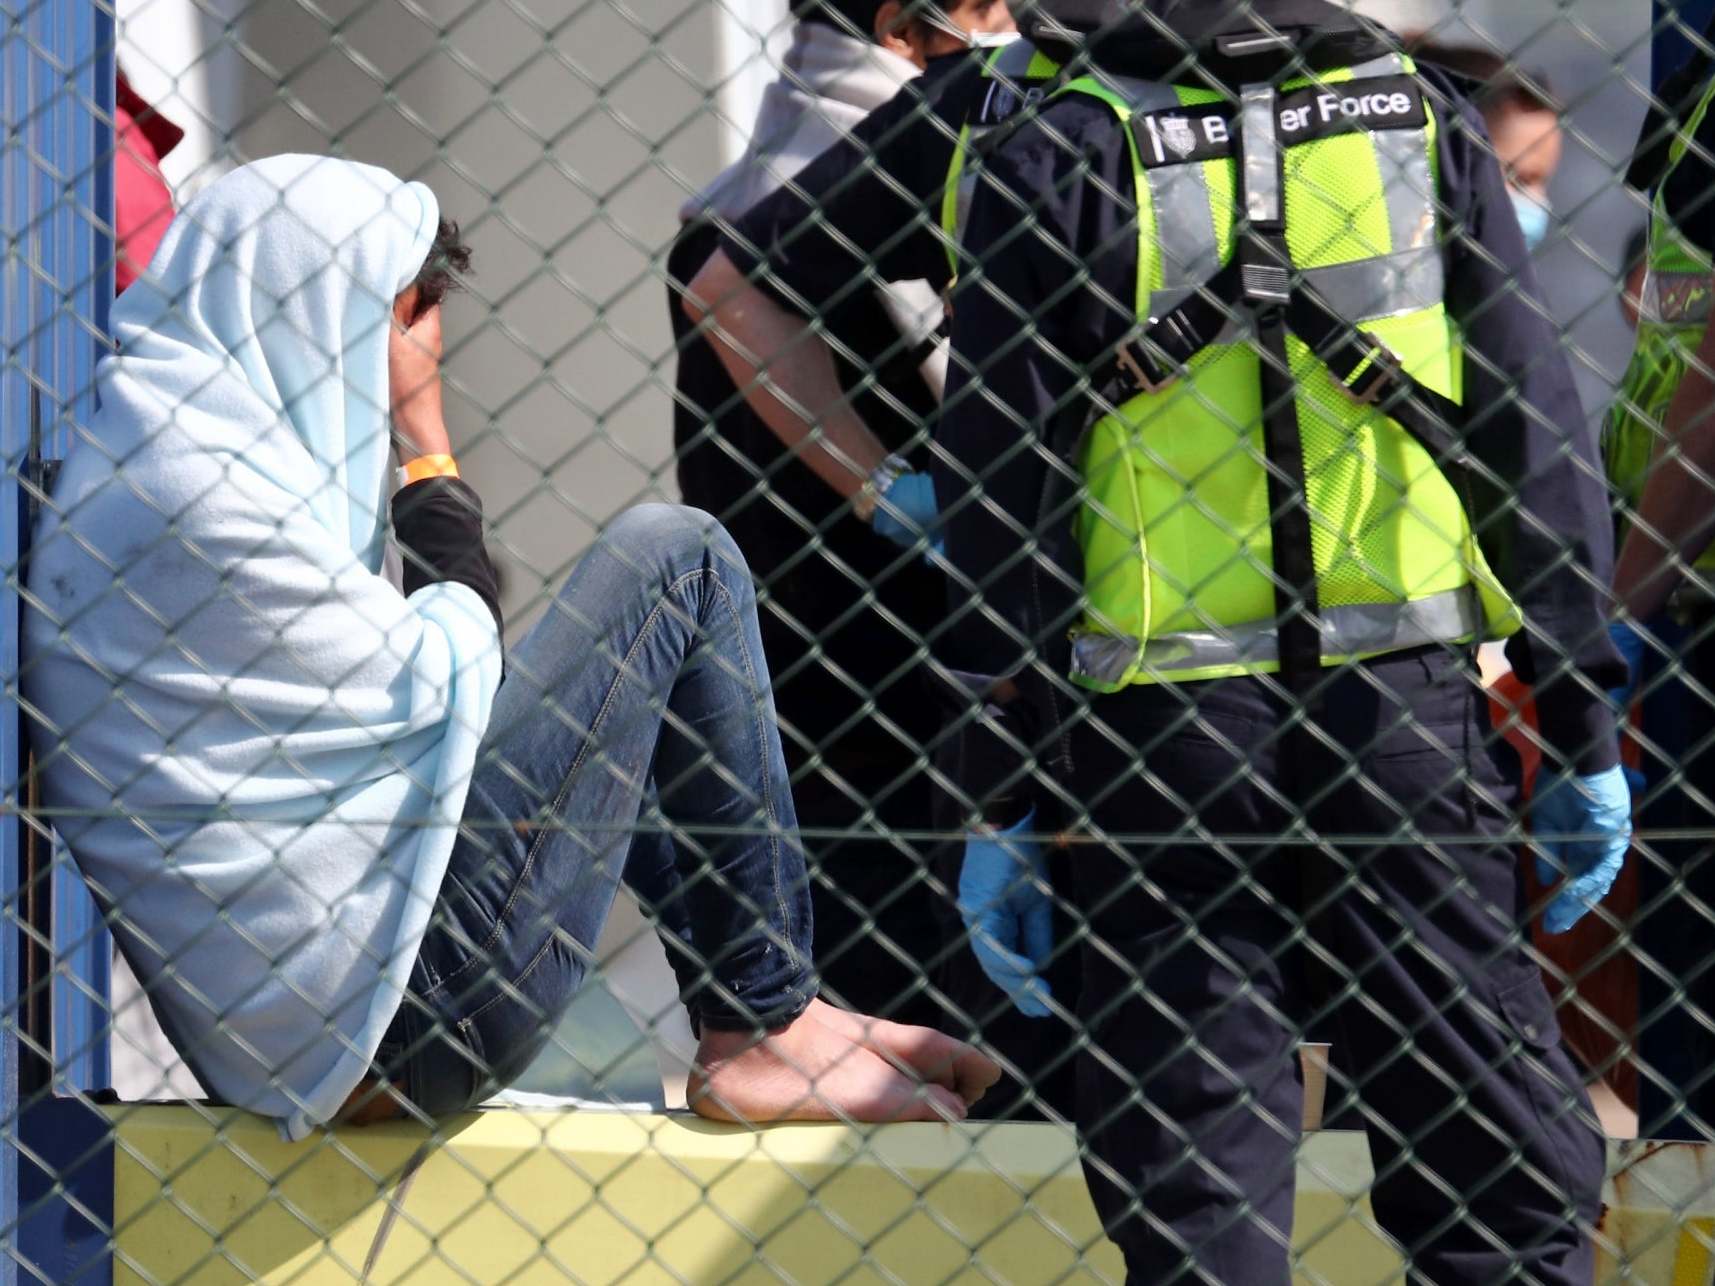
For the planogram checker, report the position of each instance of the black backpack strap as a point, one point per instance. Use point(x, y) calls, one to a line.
point(1154, 356)
point(1368, 370)
point(1265, 270)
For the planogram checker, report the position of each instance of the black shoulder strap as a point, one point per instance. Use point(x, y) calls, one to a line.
point(1265, 277)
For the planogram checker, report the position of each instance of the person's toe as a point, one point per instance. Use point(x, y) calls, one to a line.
point(944, 1060)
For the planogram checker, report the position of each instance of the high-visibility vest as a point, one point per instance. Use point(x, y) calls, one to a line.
point(1175, 520)
point(1679, 291)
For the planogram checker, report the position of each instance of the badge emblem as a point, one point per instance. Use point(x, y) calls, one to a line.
point(1177, 135)
point(1002, 102)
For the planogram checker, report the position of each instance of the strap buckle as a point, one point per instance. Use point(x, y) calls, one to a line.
point(1385, 370)
point(1266, 283)
point(1134, 368)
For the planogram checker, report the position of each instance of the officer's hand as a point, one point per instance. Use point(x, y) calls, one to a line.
point(908, 511)
point(1006, 905)
point(1631, 645)
point(1585, 828)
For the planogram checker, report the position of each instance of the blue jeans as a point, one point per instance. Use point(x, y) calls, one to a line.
point(633, 739)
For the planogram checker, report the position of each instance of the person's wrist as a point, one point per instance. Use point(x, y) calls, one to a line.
point(1578, 729)
point(422, 439)
point(878, 484)
point(436, 464)
point(988, 826)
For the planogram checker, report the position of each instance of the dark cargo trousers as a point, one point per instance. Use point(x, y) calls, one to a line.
point(1395, 925)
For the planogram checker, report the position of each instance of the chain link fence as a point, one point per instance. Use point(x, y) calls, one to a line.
point(1064, 610)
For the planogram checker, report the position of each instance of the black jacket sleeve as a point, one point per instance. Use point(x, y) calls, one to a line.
point(1053, 235)
point(437, 524)
point(1545, 522)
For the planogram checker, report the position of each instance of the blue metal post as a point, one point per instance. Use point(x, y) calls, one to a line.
point(75, 293)
point(56, 203)
point(15, 419)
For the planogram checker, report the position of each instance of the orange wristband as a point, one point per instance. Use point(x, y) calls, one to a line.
point(428, 466)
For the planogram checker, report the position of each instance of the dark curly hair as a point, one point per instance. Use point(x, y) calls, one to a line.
point(444, 269)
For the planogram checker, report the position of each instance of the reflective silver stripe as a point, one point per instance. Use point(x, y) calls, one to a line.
point(1364, 290)
point(1143, 95)
point(1364, 629)
point(1184, 217)
point(1386, 286)
point(1404, 159)
point(1260, 146)
point(1677, 298)
point(1410, 279)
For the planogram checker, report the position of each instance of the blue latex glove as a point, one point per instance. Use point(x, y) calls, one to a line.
point(1005, 903)
point(1597, 811)
point(914, 512)
point(1631, 645)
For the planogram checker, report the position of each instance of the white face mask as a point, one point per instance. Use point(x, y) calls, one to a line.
point(1533, 217)
point(933, 14)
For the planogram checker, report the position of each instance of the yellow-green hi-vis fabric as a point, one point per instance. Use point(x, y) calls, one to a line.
point(1017, 76)
point(1679, 291)
point(1174, 527)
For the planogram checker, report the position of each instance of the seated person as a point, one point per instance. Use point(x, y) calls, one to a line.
point(358, 872)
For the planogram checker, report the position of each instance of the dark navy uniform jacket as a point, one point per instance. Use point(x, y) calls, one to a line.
point(1046, 289)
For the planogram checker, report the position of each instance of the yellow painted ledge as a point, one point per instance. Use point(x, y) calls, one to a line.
point(595, 1197)
point(204, 1196)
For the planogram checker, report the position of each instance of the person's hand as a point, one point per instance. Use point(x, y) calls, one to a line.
point(414, 385)
point(908, 510)
point(1586, 827)
point(1632, 647)
point(1006, 905)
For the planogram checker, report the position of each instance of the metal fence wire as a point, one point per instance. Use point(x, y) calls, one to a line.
point(910, 642)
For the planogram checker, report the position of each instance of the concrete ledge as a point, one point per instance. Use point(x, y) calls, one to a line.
point(204, 1196)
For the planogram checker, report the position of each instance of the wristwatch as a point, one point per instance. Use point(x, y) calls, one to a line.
point(880, 482)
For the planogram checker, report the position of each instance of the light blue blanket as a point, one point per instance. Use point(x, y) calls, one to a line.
point(256, 748)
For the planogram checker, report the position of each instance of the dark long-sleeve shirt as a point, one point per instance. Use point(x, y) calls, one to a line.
point(868, 209)
point(1054, 226)
point(437, 524)
point(863, 213)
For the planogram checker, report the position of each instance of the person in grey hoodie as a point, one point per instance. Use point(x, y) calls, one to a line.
point(358, 864)
point(845, 610)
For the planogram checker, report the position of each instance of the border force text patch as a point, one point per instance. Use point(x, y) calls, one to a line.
point(1182, 135)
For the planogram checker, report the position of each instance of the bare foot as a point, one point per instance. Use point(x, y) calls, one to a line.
point(822, 1067)
point(930, 1054)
